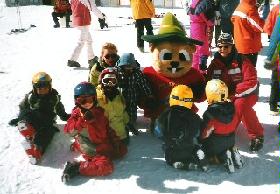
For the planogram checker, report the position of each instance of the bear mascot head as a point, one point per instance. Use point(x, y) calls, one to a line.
point(172, 50)
point(172, 64)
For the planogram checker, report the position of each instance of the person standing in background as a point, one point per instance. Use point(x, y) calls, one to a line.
point(61, 8)
point(81, 20)
point(142, 12)
point(248, 26)
point(271, 20)
point(202, 15)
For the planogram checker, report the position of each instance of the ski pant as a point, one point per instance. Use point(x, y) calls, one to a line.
point(55, 16)
point(85, 38)
point(274, 92)
point(41, 136)
point(248, 116)
point(216, 144)
point(89, 150)
point(199, 32)
point(96, 166)
point(140, 24)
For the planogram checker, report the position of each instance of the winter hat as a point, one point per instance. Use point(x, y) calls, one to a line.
point(171, 30)
point(225, 38)
point(127, 59)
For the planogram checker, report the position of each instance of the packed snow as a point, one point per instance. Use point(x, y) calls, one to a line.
point(143, 170)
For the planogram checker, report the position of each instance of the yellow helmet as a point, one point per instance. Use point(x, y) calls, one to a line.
point(181, 95)
point(41, 79)
point(216, 91)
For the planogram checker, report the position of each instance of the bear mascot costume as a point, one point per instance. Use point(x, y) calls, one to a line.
point(172, 65)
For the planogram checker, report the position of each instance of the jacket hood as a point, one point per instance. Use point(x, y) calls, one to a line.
point(223, 112)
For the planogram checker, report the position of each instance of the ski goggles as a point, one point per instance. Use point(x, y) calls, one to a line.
point(41, 85)
point(109, 80)
point(85, 99)
point(112, 56)
point(182, 99)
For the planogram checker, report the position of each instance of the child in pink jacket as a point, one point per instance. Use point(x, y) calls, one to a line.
point(202, 17)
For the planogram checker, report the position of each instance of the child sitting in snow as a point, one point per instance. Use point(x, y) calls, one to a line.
point(220, 121)
point(37, 114)
point(94, 139)
point(113, 103)
point(134, 87)
point(179, 128)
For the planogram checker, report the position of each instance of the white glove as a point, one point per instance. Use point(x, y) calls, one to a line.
point(217, 21)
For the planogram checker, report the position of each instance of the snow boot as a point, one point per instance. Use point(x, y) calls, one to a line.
point(70, 170)
point(26, 130)
point(179, 165)
point(228, 162)
point(237, 158)
point(256, 144)
point(56, 25)
point(72, 63)
point(201, 160)
point(33, 152)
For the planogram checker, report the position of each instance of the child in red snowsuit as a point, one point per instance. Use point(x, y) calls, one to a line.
point(94, 139)
point(240, 76)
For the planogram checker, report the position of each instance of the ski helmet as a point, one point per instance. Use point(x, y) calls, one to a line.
point(181, 95)
point(41, 79)
point(108, 77)
point(84, 89)
point(216, 91)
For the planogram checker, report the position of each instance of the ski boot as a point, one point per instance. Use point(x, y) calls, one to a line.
point(70, 170)
point(201, 159)
point(228, 162)
point(256, 144)
point(237, 158)
point(33, 151)
point(71, 63)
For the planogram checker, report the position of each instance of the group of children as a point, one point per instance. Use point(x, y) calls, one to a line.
point(106, 110)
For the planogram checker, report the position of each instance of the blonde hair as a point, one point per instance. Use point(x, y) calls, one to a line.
point(108, 46)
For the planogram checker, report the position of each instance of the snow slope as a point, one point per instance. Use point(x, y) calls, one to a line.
point(143, 170)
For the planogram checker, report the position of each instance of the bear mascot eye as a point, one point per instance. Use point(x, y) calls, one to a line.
point(165, 54)
point(184, 55)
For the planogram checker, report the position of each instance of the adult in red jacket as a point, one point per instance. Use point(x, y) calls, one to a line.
point(94, 139)
point(271, 19)
point(81, 20)
point(248, 27)
point(61, 8)
point(241, 78)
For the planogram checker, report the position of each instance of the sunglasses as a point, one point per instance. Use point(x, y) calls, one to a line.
point(42, 85)
point(225, 47)
point(111, 56)
point(85, 99)
point(109, 81)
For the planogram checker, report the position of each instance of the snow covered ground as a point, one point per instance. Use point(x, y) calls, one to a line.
point(143, 170)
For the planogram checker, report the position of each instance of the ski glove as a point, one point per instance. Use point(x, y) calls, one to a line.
point(203, 63)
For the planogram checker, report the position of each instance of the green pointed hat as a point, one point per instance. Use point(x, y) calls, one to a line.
point(170, 30)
